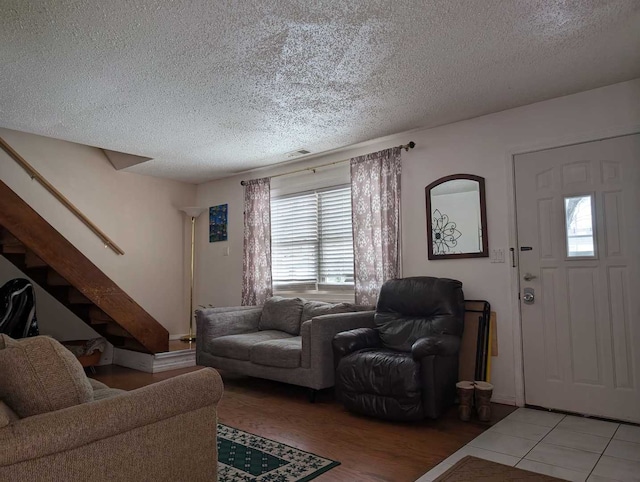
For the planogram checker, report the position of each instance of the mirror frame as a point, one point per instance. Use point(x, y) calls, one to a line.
point(483, 219)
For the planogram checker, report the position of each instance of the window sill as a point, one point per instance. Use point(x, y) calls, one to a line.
point(326, 296)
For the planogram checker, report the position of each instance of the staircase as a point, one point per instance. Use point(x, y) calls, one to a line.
point(49, 259)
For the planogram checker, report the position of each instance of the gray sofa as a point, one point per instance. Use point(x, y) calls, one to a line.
point(287, 339)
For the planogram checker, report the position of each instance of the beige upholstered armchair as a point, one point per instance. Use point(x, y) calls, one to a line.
point(57, 425)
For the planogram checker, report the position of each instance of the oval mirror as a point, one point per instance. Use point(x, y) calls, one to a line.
point(456, 218)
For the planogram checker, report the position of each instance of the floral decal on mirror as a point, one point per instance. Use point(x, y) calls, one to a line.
point(445, 233)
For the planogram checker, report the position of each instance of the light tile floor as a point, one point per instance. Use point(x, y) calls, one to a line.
point(563, 446)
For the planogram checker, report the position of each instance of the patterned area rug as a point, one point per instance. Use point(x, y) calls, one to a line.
point(244, 457)
point(473, 469)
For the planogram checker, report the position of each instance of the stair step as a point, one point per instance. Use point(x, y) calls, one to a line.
point(14, 248)
point(99, 317)
point(38, 275)
point(54, 279)
point(77, 298)
point(8, 239)
point(116, 330)
point(33, 261)
point(97, 314)
point(133, 345)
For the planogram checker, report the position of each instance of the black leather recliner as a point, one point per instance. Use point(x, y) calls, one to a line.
point(406, 368)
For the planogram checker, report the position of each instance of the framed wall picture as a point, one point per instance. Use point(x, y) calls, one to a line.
point(218, 223)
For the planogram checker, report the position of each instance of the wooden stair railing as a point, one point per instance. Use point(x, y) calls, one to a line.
point(34, 174)
point(44, 255)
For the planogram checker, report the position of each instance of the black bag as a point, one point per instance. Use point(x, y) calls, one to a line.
point(18, 309)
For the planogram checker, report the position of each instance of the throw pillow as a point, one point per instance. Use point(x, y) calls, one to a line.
point(282, 314)
point(40, 375)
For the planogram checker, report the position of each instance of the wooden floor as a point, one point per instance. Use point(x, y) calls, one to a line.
point(368, 449)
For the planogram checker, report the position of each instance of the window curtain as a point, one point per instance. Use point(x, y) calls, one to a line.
point(256, 263)
point(375, 204)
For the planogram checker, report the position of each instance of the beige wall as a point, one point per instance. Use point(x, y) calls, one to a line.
point(138, 212)
point(481, 146)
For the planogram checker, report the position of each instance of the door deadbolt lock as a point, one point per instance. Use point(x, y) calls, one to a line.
point(529, 296)
point(529, 277)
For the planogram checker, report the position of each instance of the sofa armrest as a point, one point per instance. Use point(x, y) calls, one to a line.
point(73, 427)
point(215, 322)
point(317, 338)
point(353, 340)
point(444, 345)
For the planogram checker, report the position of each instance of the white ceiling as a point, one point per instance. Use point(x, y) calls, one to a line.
point(209, 88)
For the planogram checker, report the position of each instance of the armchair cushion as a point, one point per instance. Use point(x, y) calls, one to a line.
point(40, 375)
point(282, 314)
point(411, 308)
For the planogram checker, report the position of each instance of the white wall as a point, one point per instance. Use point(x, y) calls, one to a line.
point(482, 146)
point(137, 212)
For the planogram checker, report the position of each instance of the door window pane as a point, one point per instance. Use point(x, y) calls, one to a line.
point(578, 212)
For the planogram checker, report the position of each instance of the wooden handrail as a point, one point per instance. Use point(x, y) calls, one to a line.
point(34, 174)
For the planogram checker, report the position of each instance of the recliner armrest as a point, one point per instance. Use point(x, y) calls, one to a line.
point(353, 340)
point(445, 345)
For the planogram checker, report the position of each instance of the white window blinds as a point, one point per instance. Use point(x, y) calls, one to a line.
point(311, 241)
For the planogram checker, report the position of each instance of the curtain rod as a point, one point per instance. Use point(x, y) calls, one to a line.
point(406, 147)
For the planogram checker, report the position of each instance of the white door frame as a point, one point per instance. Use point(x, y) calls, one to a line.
point(514, 279)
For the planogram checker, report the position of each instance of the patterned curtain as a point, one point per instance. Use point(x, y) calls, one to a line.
point(375, 203)
point(256, 263)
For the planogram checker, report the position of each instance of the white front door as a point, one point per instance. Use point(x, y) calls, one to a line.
point(578, 216)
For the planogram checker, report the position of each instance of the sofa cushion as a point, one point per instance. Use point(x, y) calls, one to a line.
point(283, 353)
point(7, 415)
point(311, 309)
point(40, 375)
point(238, 347)
point(282, 314)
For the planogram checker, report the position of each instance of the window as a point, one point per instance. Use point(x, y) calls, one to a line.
point(579, 226)
point(312, 242)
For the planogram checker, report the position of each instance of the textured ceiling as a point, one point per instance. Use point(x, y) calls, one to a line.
point(209, 88)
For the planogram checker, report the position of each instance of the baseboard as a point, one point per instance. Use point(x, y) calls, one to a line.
point(172, 360)
point(503, 399)
point(160, 362)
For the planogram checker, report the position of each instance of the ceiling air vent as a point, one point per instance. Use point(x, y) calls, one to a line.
point(299, 152)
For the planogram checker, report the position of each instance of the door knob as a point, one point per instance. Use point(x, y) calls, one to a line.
point(529, 296)
point(529, 277)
